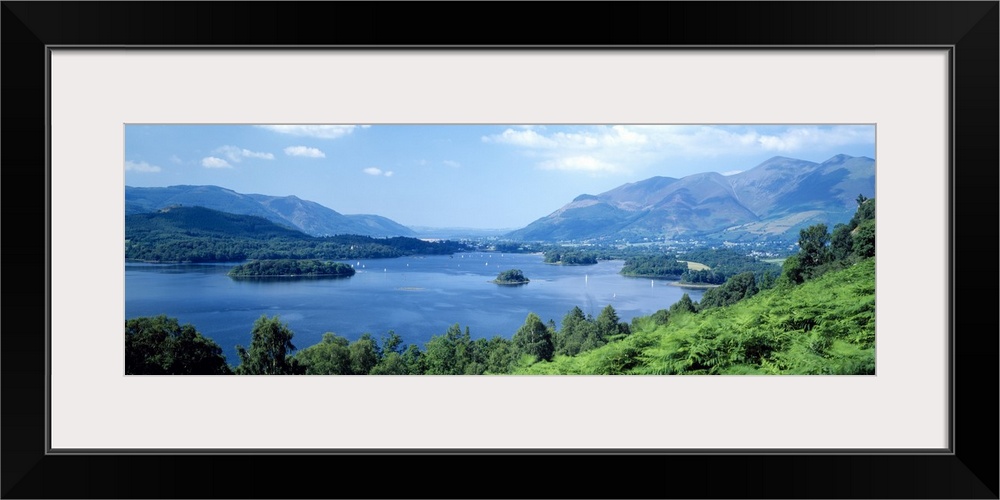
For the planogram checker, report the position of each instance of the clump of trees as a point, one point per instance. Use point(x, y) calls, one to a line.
point(654, 266)
point(161, 346)
point(739, 287)
point(821, 251)
point(581, 333)
point(511, 277)
point(290, 267)
point(570, 258)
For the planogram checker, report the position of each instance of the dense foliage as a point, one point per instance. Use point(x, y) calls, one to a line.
point(654, 266)
point(821, 251)
point(269, 352)
point(581, 333)
point(511, 277)
point(197, 234)
point(570, 258)
point(739, 287)
point(723, 263)
point(825, 326)
point(290, 267)
point(161, 346)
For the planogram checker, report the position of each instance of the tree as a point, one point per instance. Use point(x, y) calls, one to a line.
point(498, 355)
point(364, 355)
point(685, 305)
point(841, 242)
point(391, 343)
point(161, 346)
point(864, 240)
point(608, 325)
point(812, 246)
point(329, 357)
point(270, 344)
point(766, 281)
point(866, 211)
point(792, 271)
point(534, 338)
point(449, 353)
point(568, 339)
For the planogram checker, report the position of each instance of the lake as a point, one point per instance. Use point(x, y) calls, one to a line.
point(417, 297)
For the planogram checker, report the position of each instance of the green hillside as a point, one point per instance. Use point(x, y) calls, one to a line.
point(822, 326)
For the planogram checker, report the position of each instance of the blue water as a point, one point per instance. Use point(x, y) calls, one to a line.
point(416, 296)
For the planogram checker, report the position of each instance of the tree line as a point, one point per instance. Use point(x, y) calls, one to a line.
point(570, 258)
point(208, 248)
point(161, 346)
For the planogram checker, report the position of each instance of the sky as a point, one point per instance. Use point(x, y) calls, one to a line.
point(461, 176)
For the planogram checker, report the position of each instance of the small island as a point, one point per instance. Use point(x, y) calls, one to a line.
point(291, 268)
point(511, 277)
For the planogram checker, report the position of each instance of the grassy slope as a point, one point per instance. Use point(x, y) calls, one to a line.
point(824, 326)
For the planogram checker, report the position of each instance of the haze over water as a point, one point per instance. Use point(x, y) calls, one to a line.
point(417, 297)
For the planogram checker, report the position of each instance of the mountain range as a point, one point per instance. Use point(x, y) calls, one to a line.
point(290, 211)
point(773, 200)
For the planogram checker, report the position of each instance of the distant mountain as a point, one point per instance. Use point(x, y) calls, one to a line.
point(772, 200)
point(307, 216)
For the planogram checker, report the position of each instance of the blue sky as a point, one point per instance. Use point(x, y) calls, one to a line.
point(474, 176)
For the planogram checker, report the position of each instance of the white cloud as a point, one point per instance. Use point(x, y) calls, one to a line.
point(627, 148)
point(731, 172)
point(176, 159)
point(236, 154)
point(141, 167)
point(317, 131)
point(525, 138)
point(213, 162)
point(584, 163)
point(451, 163)
point(304, 151)
point(377, 171)
point(801, 138)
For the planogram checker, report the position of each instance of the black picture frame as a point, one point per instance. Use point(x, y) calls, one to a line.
point(970, 29)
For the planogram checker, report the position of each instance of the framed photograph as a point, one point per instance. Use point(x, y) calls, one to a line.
point(126, 103)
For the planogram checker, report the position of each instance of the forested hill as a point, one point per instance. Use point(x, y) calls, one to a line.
point(307, 216)
point(198, 234)
point(201, 221)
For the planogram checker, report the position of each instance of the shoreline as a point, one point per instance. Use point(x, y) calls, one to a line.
point(692, 285)
point(291, 276)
